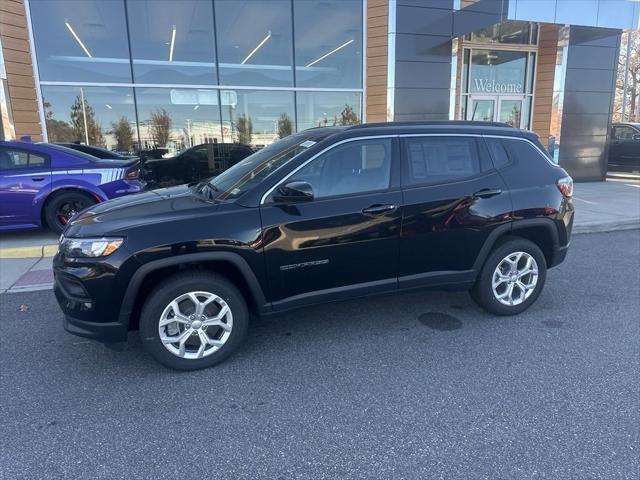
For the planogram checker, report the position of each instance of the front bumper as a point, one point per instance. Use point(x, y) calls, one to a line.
point(77, 308)
point(103, 332)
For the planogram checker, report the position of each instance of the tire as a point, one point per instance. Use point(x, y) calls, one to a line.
point(207, 287)
point(504, 255)
point(63, 206)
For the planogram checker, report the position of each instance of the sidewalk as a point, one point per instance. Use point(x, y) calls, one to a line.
point(25, 257)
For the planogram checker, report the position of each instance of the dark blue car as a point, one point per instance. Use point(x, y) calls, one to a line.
point(44, 185)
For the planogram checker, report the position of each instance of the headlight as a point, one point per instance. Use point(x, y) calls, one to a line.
point(89, 247)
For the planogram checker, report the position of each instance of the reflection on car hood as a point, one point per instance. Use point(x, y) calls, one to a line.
point(140, 209)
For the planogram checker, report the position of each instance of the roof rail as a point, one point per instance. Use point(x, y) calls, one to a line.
point(468, 123)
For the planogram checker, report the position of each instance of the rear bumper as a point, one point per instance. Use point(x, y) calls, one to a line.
point(559, 255)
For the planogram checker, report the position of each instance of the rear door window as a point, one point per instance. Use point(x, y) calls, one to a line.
point(498, 153)
point(435, 160)
point(11, 159)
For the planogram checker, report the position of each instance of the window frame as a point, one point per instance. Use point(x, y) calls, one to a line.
point(28, 166)
point(394, 174)
point(481, 148)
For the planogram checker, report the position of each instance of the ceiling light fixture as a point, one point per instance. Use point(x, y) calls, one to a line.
point(264, 40)
point(330, 53)
point(173, 43)
point(75, 35)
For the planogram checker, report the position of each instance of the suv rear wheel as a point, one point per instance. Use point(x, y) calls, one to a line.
point(512, 277)
point(193, 320)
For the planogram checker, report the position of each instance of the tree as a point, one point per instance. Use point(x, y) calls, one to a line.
point(632, 98)
point(57, 130)
point(124, 134)
point(84, 115)
point(244, 127)
point(160, 127)
point(348, 116)
point(285, 126)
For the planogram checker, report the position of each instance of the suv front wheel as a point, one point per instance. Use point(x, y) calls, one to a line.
point(512, 277)
point(193, 320)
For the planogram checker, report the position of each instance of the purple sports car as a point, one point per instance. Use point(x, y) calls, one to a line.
point(42, 184)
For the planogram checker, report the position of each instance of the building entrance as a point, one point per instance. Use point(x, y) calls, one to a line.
point(497, 108)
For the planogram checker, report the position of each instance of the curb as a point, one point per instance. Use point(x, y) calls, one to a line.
point(600, 227)
point(29, 252)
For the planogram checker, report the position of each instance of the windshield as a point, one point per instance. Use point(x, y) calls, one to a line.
point(255, 168)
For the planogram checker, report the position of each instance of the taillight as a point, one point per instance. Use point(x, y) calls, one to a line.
point(565, 185)
point(133, 173)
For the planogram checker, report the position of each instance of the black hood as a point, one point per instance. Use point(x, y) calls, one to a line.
point(130, 211)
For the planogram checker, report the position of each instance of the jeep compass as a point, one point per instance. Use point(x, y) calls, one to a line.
point(322, 215)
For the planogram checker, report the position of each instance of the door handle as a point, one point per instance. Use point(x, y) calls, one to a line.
point(378, 209)
point(487, 193)
point(37, 179)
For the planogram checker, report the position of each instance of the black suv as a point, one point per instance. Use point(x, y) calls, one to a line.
point(322, 215)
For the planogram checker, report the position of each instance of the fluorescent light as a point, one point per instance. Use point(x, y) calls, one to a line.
point(264, 40)
point(196, 107)
point(108, 106)
point(173, 43)
point(75, 35)
point(331, 52)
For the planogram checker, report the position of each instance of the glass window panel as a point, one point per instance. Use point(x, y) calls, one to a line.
point(498, 153)
point(172, 42)
point(36, 160)
point(10, 159)
point(440, 160)
point(577, 12)
point(321, 109)
point(512, 32)
point(255, 117)
point(531, 72)
point(81, 41)
point(624, 133)
point(175, 119)
point(100, 116)
point(355, 167)
point(328, 43)
point(533, 10)
point(511, 112)
point(254, 42)
point(494, 71)
point(619, 14)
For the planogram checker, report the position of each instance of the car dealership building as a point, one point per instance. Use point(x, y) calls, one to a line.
point(130, 74)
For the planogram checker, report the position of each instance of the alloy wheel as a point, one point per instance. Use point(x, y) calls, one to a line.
point(195, 324)
point(515, 278)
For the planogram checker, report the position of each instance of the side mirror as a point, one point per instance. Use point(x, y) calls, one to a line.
point(636, 137)
point(294, 192)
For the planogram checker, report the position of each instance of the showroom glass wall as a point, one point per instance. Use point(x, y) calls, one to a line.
point(161, 73)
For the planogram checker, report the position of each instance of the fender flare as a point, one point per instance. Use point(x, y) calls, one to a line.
point(255, 290)
point(508, 228)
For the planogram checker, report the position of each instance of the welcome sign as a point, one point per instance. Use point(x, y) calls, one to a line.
point(491, 86)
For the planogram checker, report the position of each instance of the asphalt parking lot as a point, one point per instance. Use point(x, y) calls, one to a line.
point(420, 385)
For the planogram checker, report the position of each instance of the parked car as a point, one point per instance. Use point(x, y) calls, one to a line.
point(44, 185)
point(322, 215)
point(624, 150)
point(195, 163)
point(97, 152)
